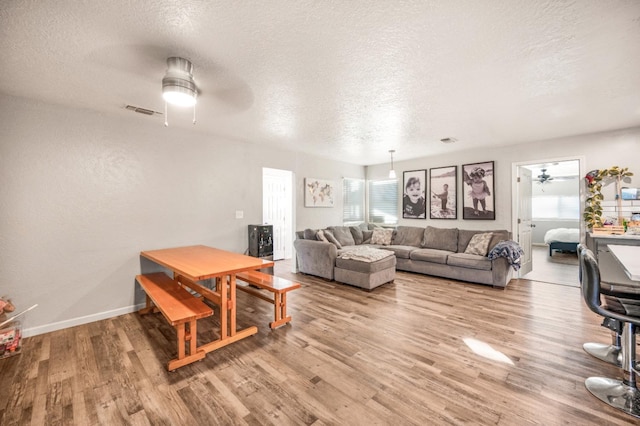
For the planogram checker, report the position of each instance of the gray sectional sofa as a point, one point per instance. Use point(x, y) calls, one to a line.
point(440, 252)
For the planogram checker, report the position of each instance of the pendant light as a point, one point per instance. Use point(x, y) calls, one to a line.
point(178, 86)
point(392, 173)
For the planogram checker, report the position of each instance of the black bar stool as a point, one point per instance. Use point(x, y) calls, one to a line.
point(621, 394)
point(604, 352)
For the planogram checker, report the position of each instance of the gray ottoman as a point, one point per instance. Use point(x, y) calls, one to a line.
point(367, 275)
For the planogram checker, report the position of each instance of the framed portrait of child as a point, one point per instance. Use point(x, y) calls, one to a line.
point(443, 199)
point(478, 191)
point(414, 203)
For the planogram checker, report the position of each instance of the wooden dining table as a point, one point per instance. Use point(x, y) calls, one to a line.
point(193, 264)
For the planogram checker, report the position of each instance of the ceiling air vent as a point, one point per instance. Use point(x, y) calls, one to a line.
point(142, 110)
point(448, 140)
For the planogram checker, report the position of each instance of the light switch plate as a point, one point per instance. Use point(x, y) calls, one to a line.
point(239, 214)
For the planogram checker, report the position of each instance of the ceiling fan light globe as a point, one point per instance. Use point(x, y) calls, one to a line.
point(178, 87)
point(179, 96)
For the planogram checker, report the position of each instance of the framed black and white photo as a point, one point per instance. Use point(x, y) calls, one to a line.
point(443, 199)
point(478, 191)
point(414, 203)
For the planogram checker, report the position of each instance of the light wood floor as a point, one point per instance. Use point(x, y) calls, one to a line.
point(402, 354)
point(561, 268)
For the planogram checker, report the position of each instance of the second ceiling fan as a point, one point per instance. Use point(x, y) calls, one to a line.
point(544, 177)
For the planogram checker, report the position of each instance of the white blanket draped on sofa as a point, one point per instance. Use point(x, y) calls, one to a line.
point(365, 254)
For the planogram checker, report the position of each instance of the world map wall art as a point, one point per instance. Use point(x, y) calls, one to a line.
point(318, 192)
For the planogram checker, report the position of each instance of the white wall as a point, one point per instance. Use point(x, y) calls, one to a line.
point(83, 193)
point(601, 150)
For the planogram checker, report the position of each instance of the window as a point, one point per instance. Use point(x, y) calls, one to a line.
point(353, 201)
point(383, 201)
point(555, 207)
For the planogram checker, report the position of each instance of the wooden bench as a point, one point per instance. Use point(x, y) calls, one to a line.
point(181, 309)
point(276, 285)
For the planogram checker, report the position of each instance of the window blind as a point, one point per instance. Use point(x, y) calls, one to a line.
point(383, 201)
point(555, 207)
point(353, 200)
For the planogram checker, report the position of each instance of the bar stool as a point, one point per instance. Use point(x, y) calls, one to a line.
point(607, 353)
point(621, 394)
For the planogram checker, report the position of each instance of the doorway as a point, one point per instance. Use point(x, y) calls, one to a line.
point(551, 200)
point(277, 209)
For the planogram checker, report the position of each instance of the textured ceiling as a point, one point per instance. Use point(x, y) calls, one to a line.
point(347, 80)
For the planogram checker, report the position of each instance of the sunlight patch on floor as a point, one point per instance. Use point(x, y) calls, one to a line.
point(486, 351)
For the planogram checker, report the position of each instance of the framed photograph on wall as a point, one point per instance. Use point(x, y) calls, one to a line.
point(414, 203)
point(443, 183)
point(318, 192)
point(478, 191)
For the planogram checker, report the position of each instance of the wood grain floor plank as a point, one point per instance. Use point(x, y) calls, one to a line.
point(417, 351)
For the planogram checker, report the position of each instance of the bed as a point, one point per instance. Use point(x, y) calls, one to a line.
point(562, 239)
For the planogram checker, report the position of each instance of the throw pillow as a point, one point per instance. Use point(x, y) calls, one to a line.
point(343, 235)
point(382, 236)
point(366, 237)
point(320, 236)
point(309, 234)
point(356, 233)
point(479, 244)
point(329, 236)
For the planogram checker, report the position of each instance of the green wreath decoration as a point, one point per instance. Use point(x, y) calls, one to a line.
point(593, 204)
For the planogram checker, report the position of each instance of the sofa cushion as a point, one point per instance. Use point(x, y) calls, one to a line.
point(430, 255)
point(356, 233)
point(498, 236)
point(470, 261)
point(440, 238)
point(479, 244)
point(408, 236)
point(402, 252)
point(382, 236)
point(343, 235)
point(332, 239)
point(309, 234)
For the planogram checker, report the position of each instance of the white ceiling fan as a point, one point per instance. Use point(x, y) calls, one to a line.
point(138, 73)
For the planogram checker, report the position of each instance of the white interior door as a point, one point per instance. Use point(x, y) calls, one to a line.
point(277, 209)
point(524, 219)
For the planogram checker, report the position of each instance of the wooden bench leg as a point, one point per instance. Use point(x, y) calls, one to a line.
point(194, 354)
point(193, 337)
point(148, 307)
point(180, 329)
point(280, 310)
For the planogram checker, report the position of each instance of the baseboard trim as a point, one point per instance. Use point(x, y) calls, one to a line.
point(47, 328)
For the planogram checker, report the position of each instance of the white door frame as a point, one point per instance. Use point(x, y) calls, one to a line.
point(514, 187)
